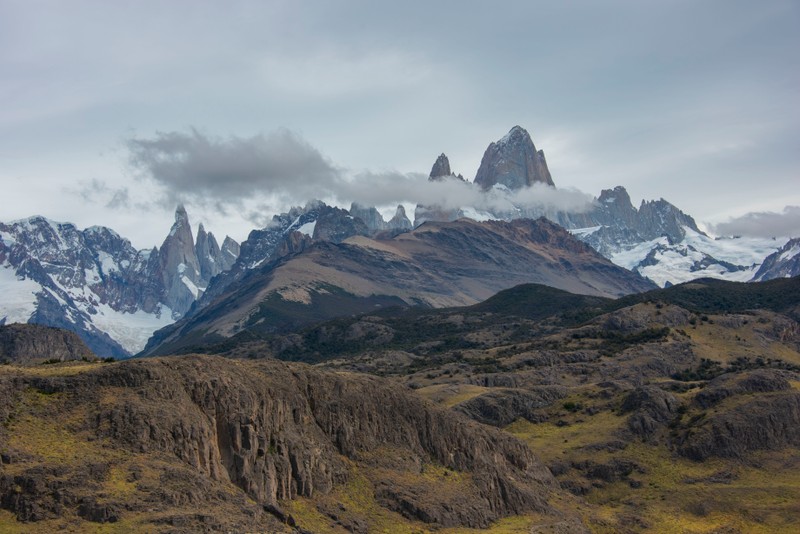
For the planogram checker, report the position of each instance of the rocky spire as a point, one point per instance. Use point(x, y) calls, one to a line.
point(513, 162)
point(208, 254)
point(441, 168)
point(400, 221)
point(229, 252)
point(178, 264)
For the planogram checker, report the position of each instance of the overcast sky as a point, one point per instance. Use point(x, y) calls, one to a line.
point(114, 111)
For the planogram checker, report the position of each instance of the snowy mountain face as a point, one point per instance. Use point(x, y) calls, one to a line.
point(783, 263)
point(96, 284)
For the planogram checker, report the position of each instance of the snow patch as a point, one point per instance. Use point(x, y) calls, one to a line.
point(196, 291)
point(583, 232)
point(685, 261)
point(308, 228)
point(107, 263)
point(476, 215)
point(18, 296)
point(131, 330)
point(791, 253)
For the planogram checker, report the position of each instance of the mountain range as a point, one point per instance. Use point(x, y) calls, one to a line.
point(96, 284)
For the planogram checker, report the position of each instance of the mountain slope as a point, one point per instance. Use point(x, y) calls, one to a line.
point(436, 265)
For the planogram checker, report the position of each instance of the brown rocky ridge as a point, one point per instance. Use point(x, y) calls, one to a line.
point(196, 443)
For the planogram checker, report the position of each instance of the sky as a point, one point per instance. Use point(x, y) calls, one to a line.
point(114, 112)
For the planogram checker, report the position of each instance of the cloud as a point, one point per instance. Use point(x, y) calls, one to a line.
point(281, 165)
point(99, 192)
point(763, 224)
point(204, 169)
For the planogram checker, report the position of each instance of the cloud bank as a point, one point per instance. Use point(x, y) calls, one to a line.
point(764, 224)
point(282, 165)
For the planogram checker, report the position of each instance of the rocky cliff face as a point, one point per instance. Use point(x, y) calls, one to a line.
point(93, 282)
point(513, 162)
point(30, 343)
point(267, 430)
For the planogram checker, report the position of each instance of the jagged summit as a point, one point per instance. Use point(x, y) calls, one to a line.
point(513, 162)
point(441, 167)
point(441, 170)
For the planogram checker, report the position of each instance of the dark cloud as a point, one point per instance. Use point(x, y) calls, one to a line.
point(195, 166)
point(764, 224)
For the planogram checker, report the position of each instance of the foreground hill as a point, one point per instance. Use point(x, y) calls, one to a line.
point(677, 410)
point(438, 264)
point(193, 444)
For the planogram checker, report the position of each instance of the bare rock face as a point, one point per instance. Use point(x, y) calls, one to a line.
point(229, 252)
point(513, 162)
point(30, 343)
point(278, 431)
point(209, 255)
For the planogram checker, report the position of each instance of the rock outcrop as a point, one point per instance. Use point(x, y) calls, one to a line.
point(178, 265)
point(31, 343)
point(730, 384)
point(652, 407)
point(441, 170)
point(502, 407)
point(767, 421)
